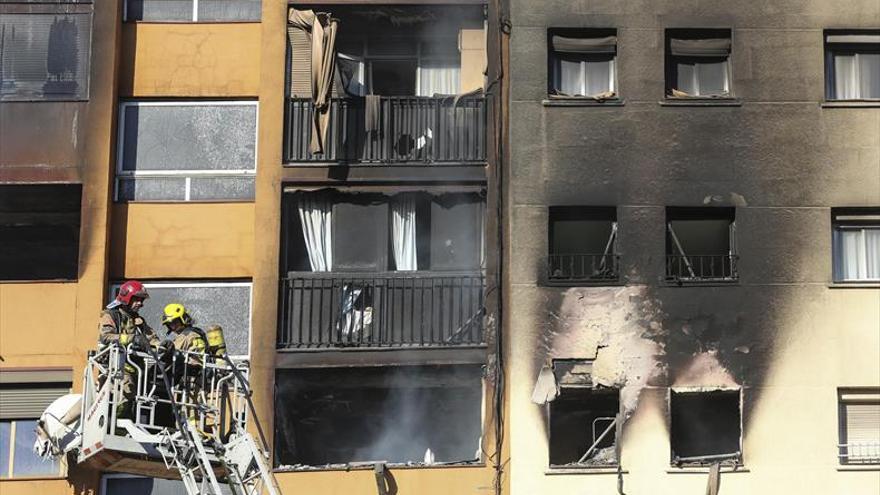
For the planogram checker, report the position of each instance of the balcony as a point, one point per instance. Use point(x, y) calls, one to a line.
point(702, 268)
point(574, 269)
point(411, 130)
point(387, 309)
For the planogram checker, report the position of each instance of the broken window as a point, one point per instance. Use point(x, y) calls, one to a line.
point(701, 244)
point(394, 414)
point(698, 63)
point(227, 304)
point(192, 10)
point(706, 427)
point(856, 244)
point(852, 65)
point(583, 62)
point(583, 244)
point(44, 51)
point(186, 151)
point(39, 231)
point(859, 429)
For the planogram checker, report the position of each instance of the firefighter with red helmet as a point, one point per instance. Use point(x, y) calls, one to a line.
point(121, 324)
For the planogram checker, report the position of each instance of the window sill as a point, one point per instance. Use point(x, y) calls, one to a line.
point(701, 102)
point(180, 21)
point(700, 283)
point(583, 283)
point(705, 470)
point(555, 471)
point(851, 104)
point(582, 102)
point(42, 281)
point(34, 478)
point(854, 285)
point(868, 467)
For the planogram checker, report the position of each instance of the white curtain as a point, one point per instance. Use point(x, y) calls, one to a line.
point(403, 232)
point(869, 75)
point(849, 254)
point(439, 77)
point(599, 76)
point(315, 215)
point(872, 253)
point(569, 79)
point(845, 82)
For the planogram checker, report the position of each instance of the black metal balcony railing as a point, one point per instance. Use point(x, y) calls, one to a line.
point(412, 129)
point(589, 268)
point(391, 309)
point(702, 267)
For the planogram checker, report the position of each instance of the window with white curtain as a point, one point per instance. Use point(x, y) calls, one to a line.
point(583, 63)
point(853, 65)
point(859, 427)
point(698, 63)
point(857, 253)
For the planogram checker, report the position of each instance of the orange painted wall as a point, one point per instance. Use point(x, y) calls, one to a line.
point(184, 60)
point(174, 240)
point(36, 487)
point(473, 480)
point(37, 324)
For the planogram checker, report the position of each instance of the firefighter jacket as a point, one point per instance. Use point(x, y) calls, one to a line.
point(119, 320)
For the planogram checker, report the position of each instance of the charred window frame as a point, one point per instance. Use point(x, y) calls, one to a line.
point(705, 427)
point(582, 63)
point(855, 245)
point(334, 417)
point(45, 50)
point(210, 302)
point(39, 231)
point(698, 63)
point(186, 151)
point(852, 65)
point(583, 245)
point(701, 245)
point(859, 426)
point(192, 10)
point(585, 420)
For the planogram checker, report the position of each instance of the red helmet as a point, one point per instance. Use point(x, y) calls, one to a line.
point(131, 289)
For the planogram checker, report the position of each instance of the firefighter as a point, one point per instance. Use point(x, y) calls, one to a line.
point(189, 339)
point(121, 324)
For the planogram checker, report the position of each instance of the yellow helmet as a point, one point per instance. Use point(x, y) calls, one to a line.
point(174, 311)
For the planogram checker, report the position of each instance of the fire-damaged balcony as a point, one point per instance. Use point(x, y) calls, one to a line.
point(406, 130)
point(394, 85)
point(381, 309)
point(382, 270)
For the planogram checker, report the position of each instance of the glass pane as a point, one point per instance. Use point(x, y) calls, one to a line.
point(148, 486)
point(5, 431)
point(872, 253)
point(227, 306)
point(685, 78)
point(849, 254)
point(598, 73)
point(569, 80)
point(229, 10)
point(44, 56)
point(26, 463)
point(712, 77)
point(439, 77)
point(869, 75)
point(845, 84)
point(152, 189)
point(159, 10)
point(221, 188)
point(189, 137)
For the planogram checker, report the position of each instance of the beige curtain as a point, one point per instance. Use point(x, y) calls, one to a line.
point(322, 29)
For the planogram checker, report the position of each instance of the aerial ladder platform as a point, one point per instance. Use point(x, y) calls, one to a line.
point(187, 419)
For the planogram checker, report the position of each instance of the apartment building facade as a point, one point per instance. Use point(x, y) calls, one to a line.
point(173, 143)
point(692, 209)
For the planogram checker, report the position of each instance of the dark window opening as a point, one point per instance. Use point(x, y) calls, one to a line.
point(698, 63)
point(852, 64)
point(701, 244)
point(706, 427)
point(39, 231)
point(583, 244)
point(397, 414)
point(582, 62)
point(583, 428)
